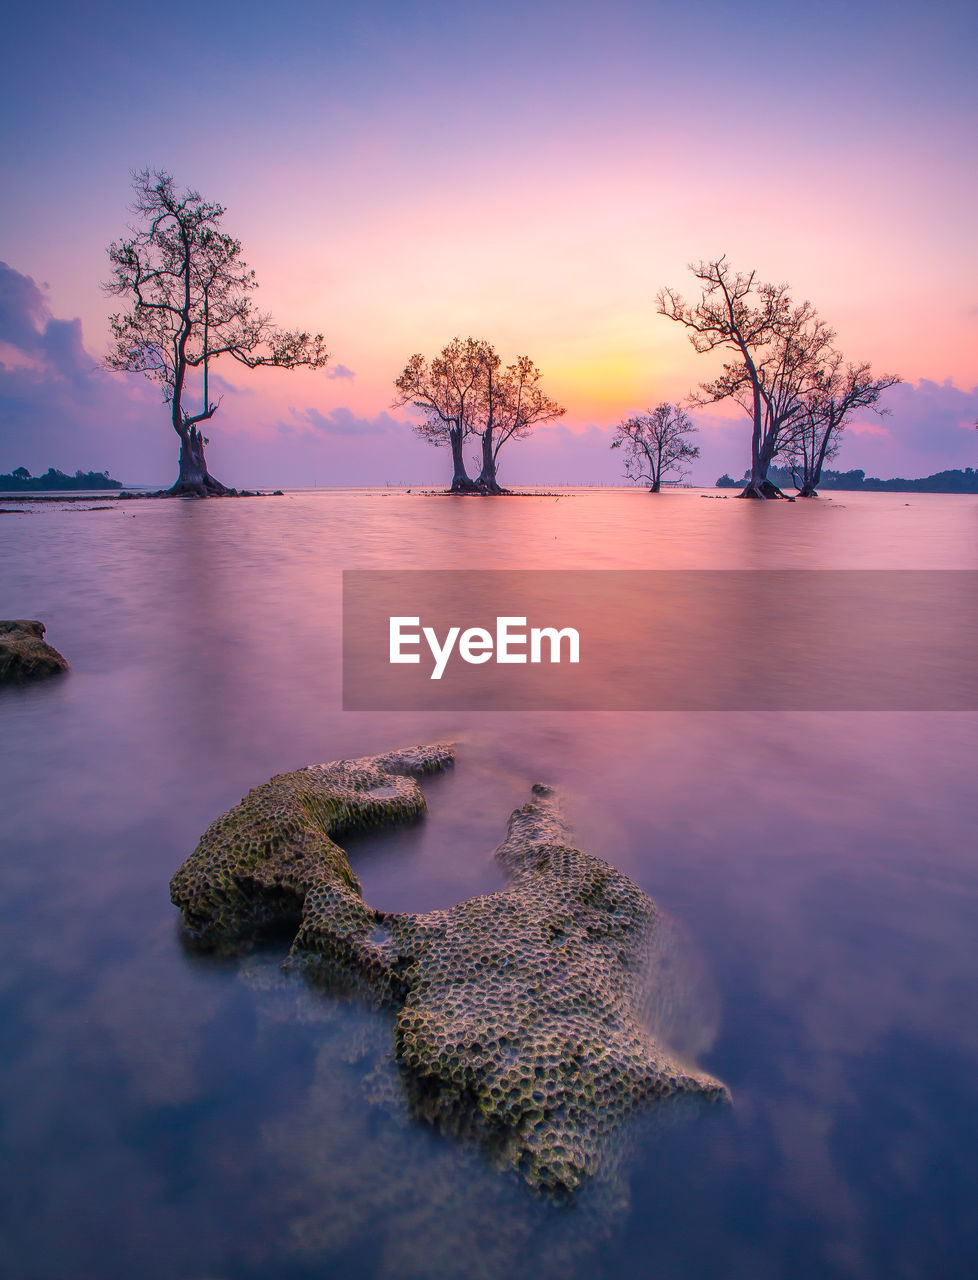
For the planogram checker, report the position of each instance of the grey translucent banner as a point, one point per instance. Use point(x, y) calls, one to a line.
point(660, 640)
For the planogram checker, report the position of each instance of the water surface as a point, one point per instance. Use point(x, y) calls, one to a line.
point(177, 1117)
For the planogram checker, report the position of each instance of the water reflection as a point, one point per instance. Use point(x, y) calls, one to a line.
point(172, 1118)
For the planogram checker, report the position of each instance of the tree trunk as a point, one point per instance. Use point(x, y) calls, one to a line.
point(194, 480)
point(487, 482)
point(460, 477)
point(762, 489)
point(758, 483)
point(654, 487)
point(808, 490)
point(758, 471)
point(819, 461)
point(759, 486)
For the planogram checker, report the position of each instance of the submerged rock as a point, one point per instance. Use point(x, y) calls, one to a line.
point(24, 653)
point(519, 1012)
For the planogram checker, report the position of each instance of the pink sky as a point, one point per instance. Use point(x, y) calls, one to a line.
point(540, 202)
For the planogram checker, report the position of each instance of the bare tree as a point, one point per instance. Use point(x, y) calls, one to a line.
point(513, 404)
point(448, 390)
point(189, 298)
point(656, 443)
point(777, 344)
point(837, 391)
point(788, 371)
point(464, 391)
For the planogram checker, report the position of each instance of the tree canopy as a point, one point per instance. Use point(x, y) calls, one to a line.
point(465, 391)
point(814, 436)
point(786, 372)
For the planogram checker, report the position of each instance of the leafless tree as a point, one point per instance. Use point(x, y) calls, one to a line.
point(189, 297)
point(788, 370)
point(777, 344)
point(656, 443)
point(837, 391)
point(464, 391)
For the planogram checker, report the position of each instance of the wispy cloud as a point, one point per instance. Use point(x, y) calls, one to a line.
point(341, 422)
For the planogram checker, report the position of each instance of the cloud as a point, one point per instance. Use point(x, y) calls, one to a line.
point(334, 448)
point(23, 310)
point(930, 428)
point(339, 371)
point(59, 408)
point(342, 422)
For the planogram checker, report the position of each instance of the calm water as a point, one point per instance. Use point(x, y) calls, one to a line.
point(175, 1117)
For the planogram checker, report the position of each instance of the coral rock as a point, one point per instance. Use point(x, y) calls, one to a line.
point(519, 1012)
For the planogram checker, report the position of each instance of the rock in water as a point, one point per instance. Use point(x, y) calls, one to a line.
point(24, 654)
point(519, 1017)
point(261, 863)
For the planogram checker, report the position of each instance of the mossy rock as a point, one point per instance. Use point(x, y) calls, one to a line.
point(519, 1013)
point(255, 865)
point(24, 653)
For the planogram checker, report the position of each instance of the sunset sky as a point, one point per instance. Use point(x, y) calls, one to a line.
point(530, 173)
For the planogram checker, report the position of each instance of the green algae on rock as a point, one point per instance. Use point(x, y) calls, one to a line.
point(24, 653)
point(519, 1013)
point(255, 865)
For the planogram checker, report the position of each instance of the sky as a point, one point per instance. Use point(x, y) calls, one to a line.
point(529, 173)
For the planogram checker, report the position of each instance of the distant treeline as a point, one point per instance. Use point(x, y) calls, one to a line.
point(965, 481)
point(21, 480)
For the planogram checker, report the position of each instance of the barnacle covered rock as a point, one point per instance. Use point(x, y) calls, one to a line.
point(521, 1018)
point(255, 865)
point(25, 654)
point(519, 1013)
